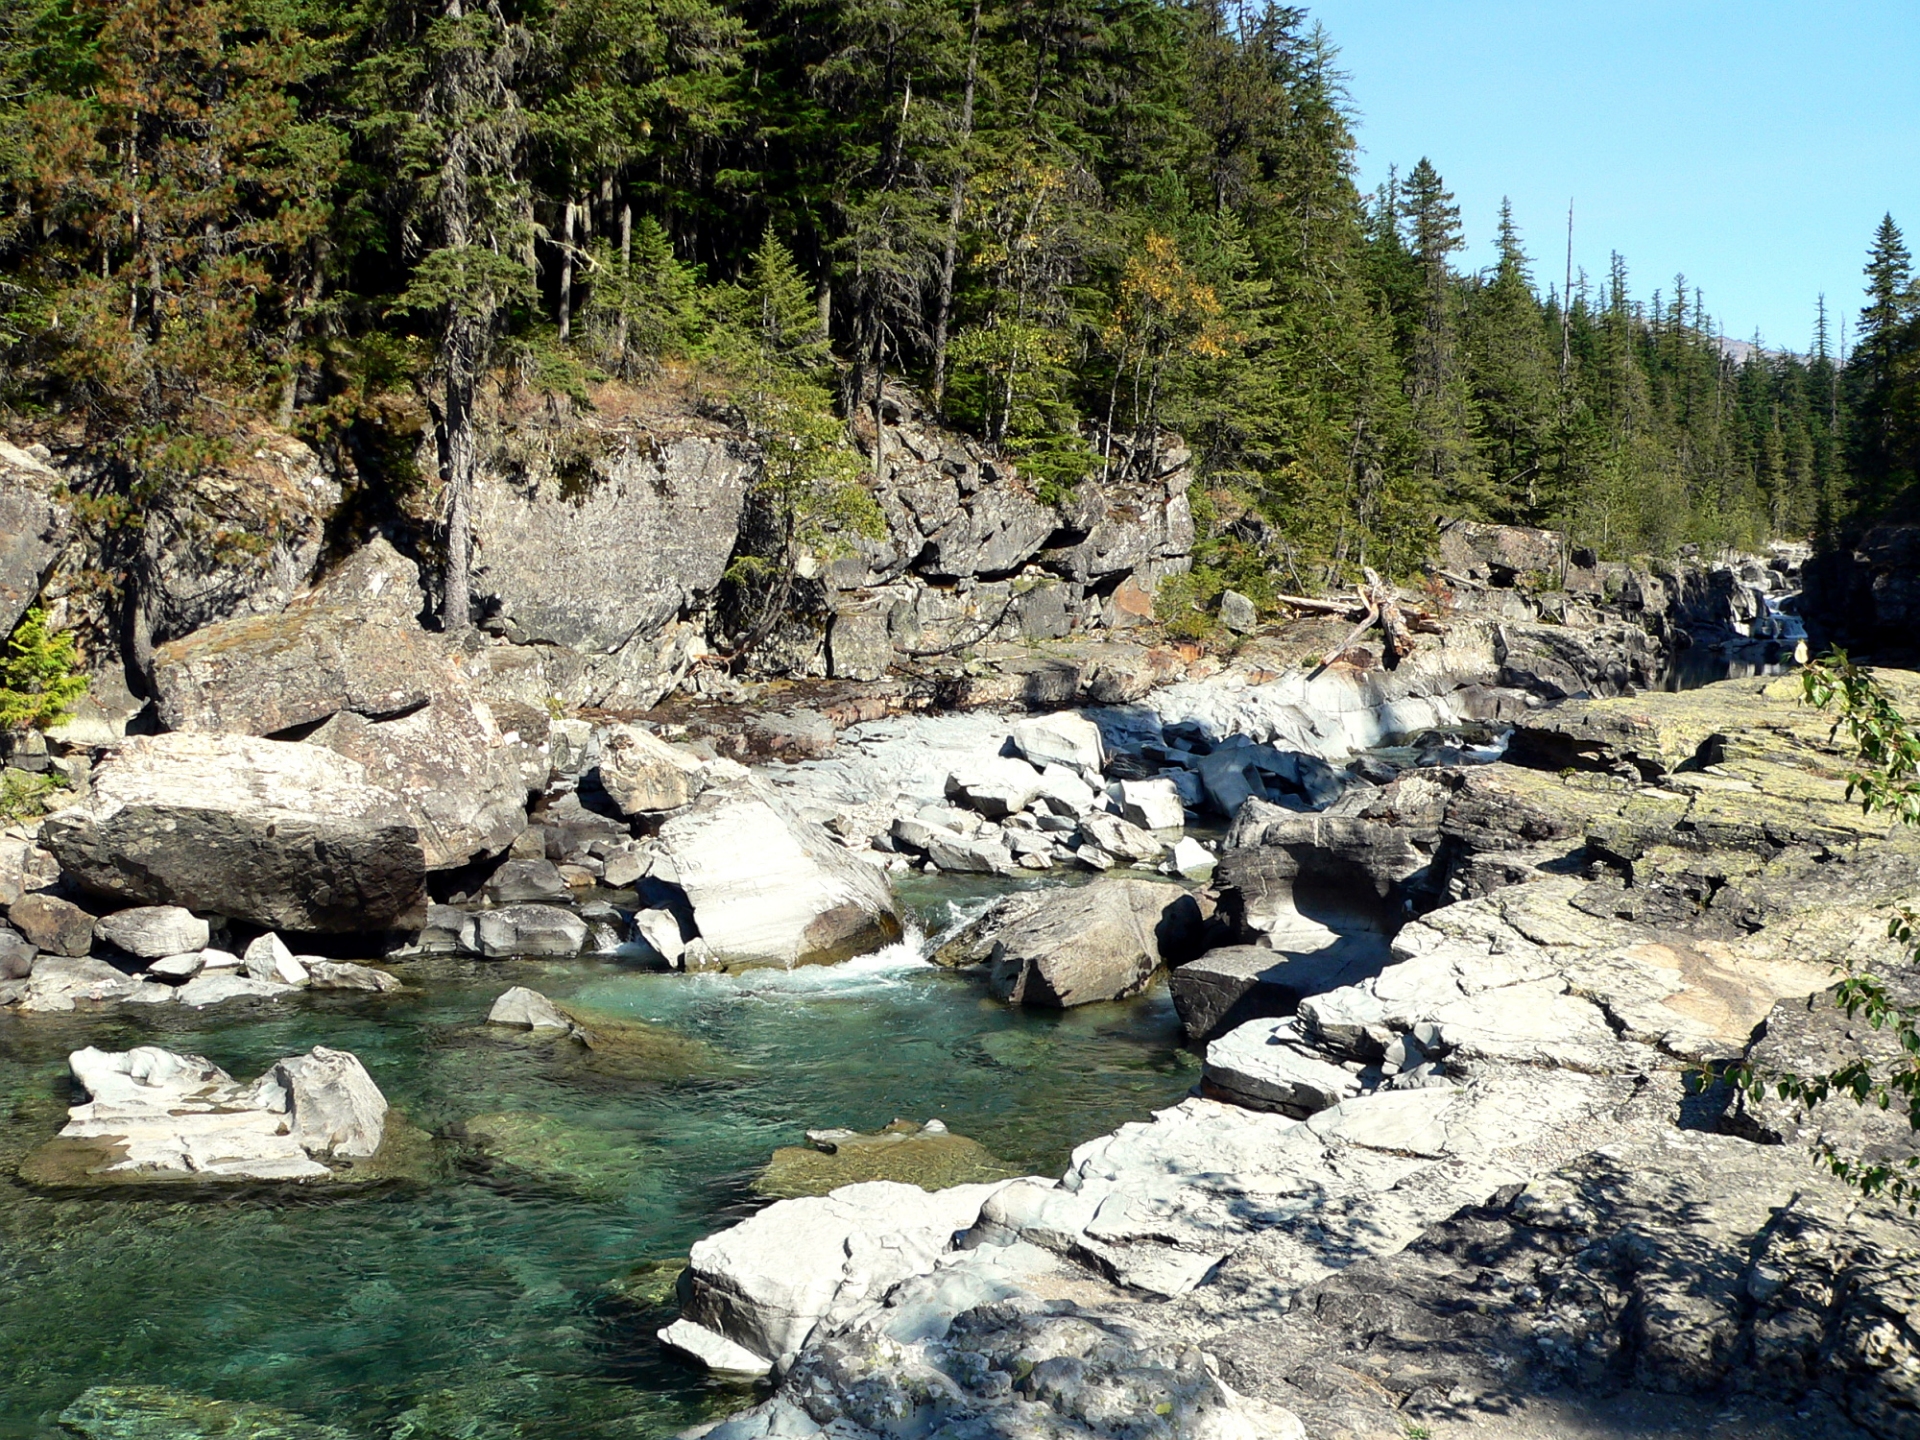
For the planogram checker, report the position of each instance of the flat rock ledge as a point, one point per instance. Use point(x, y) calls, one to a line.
point(154, 1116)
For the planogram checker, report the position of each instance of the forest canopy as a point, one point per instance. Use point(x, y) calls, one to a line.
point(1062, 220)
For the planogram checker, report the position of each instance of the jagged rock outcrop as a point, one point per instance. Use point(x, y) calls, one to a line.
point(1866, 594)
point(601, 547)
point(32, 530)
point(1691, 1265)
point(285, 835)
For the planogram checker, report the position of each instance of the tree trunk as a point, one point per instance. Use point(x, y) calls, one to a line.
point(462, 461)
point(565, 315)
point(956, 203)
point(626, 281)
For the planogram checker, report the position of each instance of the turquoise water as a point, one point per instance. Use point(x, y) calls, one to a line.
point(484, 1299)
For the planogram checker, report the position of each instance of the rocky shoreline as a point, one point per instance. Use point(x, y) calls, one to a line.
point(1475, 1185)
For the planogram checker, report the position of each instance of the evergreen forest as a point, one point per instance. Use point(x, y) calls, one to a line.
point(1060, 221)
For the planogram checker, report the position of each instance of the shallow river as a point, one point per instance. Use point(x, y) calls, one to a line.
point(486, 1300)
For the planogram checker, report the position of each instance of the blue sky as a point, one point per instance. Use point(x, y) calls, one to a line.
point(1751, 144)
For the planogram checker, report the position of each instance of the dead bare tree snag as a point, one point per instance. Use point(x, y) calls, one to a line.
point(1374, 603)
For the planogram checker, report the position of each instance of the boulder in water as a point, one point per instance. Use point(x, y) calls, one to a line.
point(1061, 948)
point(756, 1291)
point(768, 888)
point(528, 1009)
point(523, 930)
point(156, 1116)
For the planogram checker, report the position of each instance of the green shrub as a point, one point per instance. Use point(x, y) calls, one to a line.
point(38, 679)
point(27, 796)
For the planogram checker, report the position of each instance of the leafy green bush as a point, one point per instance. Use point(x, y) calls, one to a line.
point(38, 683)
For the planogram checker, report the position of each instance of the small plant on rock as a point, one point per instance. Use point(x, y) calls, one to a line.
point(39, 679)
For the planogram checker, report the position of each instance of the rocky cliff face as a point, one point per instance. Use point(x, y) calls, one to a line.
point(1866, 595)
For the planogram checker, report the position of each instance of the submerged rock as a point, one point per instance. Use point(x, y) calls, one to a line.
point(288, 836)
point(930, 1156)
point(155, 1116)
point(587, 1161)
point(154, 1412)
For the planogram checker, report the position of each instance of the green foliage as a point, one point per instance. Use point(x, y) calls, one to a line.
point(1081, 227)
point(38, 676)
point(1888, 780)
point(25, 795)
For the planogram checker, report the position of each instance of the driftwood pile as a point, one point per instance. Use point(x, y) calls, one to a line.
point(1374, 603)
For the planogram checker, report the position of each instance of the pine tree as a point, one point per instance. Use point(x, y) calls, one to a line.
point(1442, 410)
point(448, 118)
point(1510, 373)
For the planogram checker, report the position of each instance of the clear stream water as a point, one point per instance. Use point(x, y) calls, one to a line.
point(485, 1301)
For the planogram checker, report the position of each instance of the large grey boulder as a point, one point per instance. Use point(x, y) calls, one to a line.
point(152, 931)
point(1060, 739)
point(285, 835)
point(589, 558)
point(351, 642)
point(756, 1291)
point(450, 765)
point(153, 1116)
point(996, 787)
point(644, 775)
point(1060, 948)
point(32, 530)
point(768, 888)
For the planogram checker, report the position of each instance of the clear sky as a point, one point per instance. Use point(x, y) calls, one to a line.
point(1751, 144)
